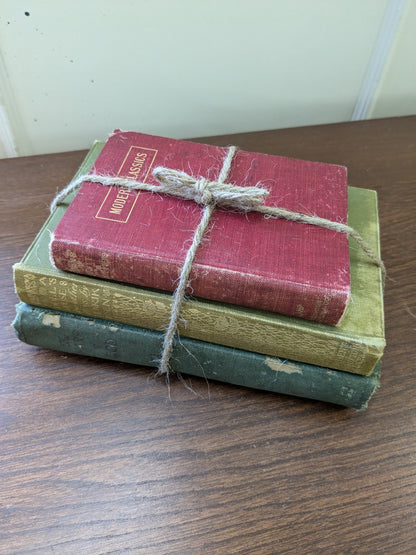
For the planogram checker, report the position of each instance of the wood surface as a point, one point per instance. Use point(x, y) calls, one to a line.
point(96, 459)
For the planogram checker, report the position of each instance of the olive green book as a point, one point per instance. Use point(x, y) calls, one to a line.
point(356, 345)
point(72, 333)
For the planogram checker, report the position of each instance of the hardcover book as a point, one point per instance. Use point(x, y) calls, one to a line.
point(72, 333)
point(141, 238)
point(354, 346)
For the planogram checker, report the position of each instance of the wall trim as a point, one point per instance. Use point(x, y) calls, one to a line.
point(7, 146)
point(382, 48)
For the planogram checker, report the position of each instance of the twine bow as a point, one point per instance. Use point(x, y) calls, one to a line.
point(203, 191)
point(209, 194)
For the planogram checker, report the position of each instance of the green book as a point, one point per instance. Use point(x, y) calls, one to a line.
point(73, 333)
point(356, 345)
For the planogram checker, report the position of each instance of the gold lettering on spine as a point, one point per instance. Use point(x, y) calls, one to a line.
point(119, 201)
point(137, 164)
point(30, 284)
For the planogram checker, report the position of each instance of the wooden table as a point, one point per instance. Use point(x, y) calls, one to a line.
point(96, 459)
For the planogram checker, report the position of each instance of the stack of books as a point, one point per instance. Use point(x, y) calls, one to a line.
point(276, 305)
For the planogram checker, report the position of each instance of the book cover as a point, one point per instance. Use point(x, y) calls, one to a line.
point(77, 334)
point(245, 259)
point(354, 346)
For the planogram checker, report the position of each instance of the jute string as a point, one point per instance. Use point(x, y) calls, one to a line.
point(210, 194)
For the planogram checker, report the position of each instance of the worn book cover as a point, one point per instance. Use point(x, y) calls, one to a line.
point(142, 238)
point(72, 333)
point(355, 345)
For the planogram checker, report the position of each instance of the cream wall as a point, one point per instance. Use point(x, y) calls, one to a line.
point(71, 72)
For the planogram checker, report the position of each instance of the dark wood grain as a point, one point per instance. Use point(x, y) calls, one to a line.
point(96, 459)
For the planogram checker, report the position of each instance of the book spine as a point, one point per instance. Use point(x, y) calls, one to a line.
point(99, 338)
point(203, 321)
point(323, 305)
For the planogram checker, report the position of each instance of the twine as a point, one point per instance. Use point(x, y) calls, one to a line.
point(210, 194)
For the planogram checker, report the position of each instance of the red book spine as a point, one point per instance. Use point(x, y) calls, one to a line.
point(253, 291)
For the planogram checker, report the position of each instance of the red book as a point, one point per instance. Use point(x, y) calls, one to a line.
point(246, 259)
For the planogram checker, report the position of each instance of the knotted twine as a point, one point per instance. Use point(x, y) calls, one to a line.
point(210, 194)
